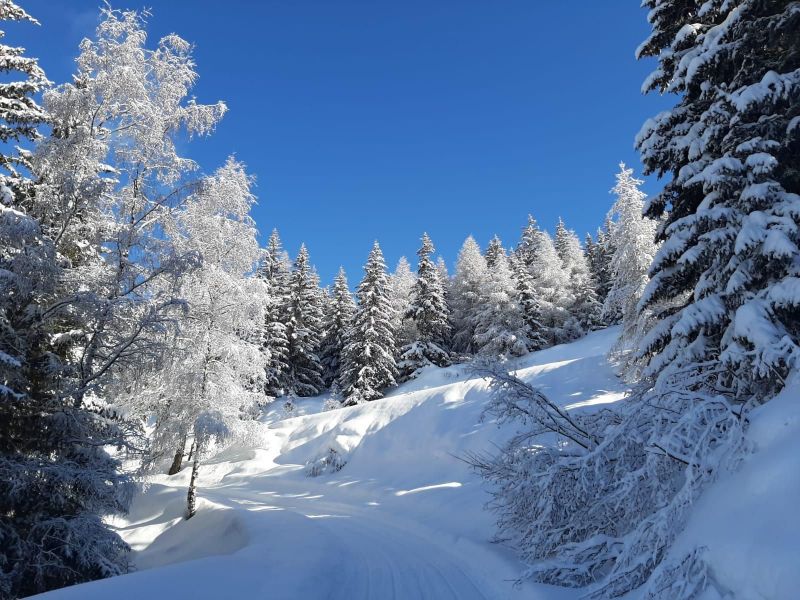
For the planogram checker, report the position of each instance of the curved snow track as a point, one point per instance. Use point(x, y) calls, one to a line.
point(403, 519)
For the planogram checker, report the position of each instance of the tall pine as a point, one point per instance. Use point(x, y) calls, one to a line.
point(368, 364)
point(725, 284)
point(274, 272)
point(304, 328)
point(339, 318)
point(429, 313)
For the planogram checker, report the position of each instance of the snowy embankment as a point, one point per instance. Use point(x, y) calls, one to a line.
point(404, 518)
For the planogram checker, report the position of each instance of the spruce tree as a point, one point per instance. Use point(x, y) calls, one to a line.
point(467, 290)
point(304, 328)
point(368, 364)
point(583, 306)
point(526, 248)
point(528, 303)
point(339, 318)
point(495, 253)
point(724, 283)
point(447, 287)
point(500, 328)
point(274, 272)
point(401, 282)
point(429, 313)
point(551, 287)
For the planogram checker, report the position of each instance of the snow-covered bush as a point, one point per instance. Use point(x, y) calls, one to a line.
point(331, 462)
point(594, 499)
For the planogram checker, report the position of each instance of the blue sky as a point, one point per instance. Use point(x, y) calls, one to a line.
point(369, 120)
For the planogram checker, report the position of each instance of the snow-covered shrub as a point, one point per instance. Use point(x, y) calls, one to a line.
point(331, 462)
point(331, 404)
point(596, 498)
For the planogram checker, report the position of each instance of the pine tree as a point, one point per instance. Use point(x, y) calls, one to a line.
point(600, 265)
point(447, 287)
point(526, 248)
point(274, 271)
point(633, 240)
point(495, 253)
point(20, 115)
point(584, 306)
point(401, 282)
point(724, 281)
point(467, 290)
point(500, 329)
point(551, 288)
point(429, 313)
point(528, 303)
point(368, 365)
point(304, 328)
point(338, 321)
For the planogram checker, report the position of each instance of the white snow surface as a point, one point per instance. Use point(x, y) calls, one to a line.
point(404, 518)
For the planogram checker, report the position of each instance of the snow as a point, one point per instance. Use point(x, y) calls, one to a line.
point(748, 521)
point(404, 518)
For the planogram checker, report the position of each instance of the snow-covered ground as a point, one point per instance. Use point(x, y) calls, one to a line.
point(404, 518)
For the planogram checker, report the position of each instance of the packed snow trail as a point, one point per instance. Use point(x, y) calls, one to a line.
point(403, 519)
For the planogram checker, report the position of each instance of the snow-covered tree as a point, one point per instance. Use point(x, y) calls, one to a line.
point(339, 318)
point(447, 288)
point(633, 239)
point(495, 253)
point(528, 303)
point(108, 181)
point(304, 328)
point(551, 288)
point(274, 271)
point(603, 507)
point(584, 307)
point(500, 327)
point(429, 313)
point(401, 282)
point(20, 115)
point(213, 372)
point(727, 272)
point(467, 290)
point(56, 479)
point(526, 248)
point(368, 364)
point(599, 252)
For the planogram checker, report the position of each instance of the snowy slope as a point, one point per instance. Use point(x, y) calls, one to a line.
point(404, 517)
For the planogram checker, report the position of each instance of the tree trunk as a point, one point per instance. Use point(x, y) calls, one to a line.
point(177, 462)
point(191, 497)
point(191, 451)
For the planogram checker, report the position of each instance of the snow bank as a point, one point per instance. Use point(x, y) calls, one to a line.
point(749, 521)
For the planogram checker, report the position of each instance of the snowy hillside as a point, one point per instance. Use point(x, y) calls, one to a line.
point(403, 519)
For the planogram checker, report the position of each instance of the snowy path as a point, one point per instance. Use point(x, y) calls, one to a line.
point(404, 519)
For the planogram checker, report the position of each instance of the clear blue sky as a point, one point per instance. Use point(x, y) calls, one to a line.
point(369, 120)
